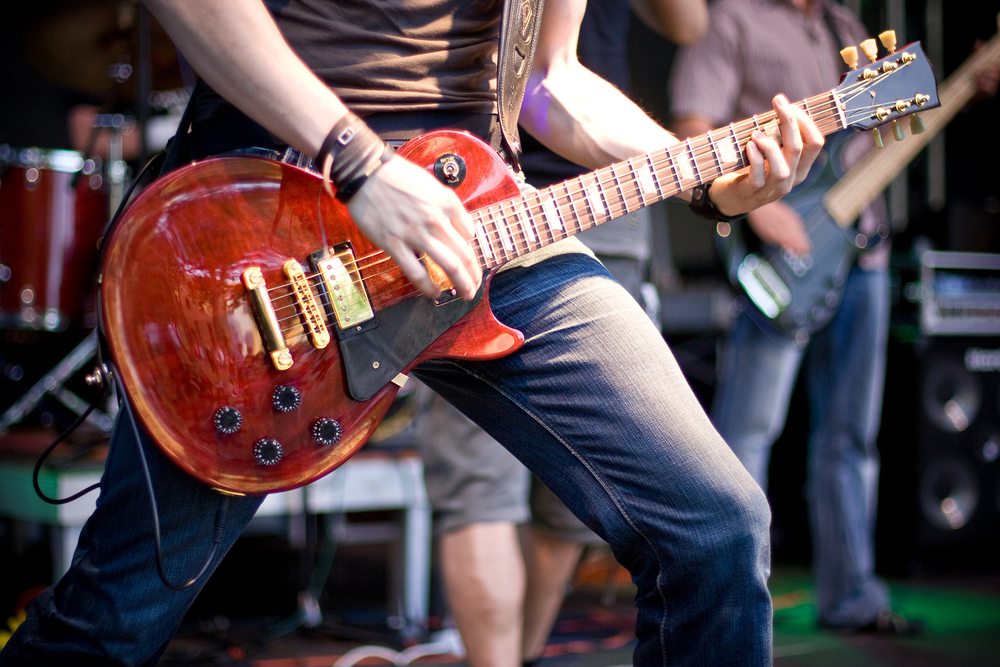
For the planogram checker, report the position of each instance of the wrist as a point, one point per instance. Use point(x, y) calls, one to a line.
point(703, 206)
point(350, 154)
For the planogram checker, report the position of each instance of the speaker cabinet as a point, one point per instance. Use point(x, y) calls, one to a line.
point(952, 384)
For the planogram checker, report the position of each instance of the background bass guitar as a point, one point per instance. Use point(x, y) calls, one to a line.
point(800, 294)
point(260, 337)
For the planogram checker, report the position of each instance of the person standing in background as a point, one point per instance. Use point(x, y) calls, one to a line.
point(508, 546)
point(753, 49)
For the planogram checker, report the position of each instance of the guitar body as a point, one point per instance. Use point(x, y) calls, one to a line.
point(186, 339)
point(798, 295)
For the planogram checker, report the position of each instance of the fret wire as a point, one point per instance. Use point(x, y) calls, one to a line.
point(714, 148)
point(637, 181)
point(592, 194)
point(655, 175)
point(619, 189)
point(599, 181)
point(571, 200)
point(503, 231)
point(546, 204)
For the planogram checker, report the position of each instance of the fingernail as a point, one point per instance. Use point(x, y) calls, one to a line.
point(781, 99)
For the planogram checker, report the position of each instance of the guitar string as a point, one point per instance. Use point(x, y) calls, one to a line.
point(697, 148)
point(630, 202)
point(706, 145)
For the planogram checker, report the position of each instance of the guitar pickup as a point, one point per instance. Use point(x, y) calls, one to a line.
point(267, 320)
point(763, 285)
point(312, 315)
point(344, 288)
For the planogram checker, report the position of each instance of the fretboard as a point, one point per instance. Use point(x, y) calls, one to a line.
point(512, 227)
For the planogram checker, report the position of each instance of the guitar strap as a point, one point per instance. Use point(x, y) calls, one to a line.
point(518, 39)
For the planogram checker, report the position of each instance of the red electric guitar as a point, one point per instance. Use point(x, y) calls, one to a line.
point(260, 337)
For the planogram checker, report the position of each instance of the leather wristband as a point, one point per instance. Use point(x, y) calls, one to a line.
point(350, 154)
point(702, 206)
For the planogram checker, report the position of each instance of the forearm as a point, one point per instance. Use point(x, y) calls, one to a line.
point(680, 21)
point(585, 119)
point(236, 47)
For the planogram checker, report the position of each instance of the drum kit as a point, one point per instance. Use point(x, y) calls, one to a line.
point(55, 203)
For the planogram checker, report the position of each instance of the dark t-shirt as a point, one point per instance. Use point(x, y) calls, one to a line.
point(383, 57)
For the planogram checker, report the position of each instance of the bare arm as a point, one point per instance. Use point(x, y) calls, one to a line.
point(577, 114)
point(680, 21)
point(237, 48)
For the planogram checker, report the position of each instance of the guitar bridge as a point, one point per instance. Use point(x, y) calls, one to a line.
point(267, 320)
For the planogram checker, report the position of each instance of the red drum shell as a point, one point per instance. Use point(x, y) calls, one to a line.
point(49, 230)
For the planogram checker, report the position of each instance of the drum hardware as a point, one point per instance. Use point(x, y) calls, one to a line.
point(52, 383)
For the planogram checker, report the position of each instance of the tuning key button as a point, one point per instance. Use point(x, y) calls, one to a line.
point(267, 451)
point(227, 420)
point(286, 398)
point(326, 431)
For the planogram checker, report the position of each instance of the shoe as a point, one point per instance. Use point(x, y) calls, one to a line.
point(891, 624)
point(886, 624)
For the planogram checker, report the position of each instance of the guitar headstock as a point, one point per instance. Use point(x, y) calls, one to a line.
point(887, 89)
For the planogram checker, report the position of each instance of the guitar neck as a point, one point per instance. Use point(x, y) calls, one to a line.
point(860, 185)
point(510, 228)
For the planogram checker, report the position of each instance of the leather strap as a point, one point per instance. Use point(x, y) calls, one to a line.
point(518, 38)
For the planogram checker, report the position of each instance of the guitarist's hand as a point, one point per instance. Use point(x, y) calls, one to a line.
point(775, 168)
point(409, 214)
point(778, 224)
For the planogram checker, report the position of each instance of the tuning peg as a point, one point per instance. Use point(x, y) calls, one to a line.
point(850, 56)
point(870, 49)
point(877, 138)
point(897, 131)
point(888, 39)
point(917, 124)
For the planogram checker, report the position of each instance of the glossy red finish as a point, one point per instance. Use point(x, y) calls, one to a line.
point(181, 327)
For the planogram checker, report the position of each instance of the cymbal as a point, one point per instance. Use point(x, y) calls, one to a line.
point(92, 47)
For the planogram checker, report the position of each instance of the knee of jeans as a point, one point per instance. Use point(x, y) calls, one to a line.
point(744, 522)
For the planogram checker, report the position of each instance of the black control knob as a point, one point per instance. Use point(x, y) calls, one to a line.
point(267, 451)
point(286, 398)
point(326, 431)
point(227, 420)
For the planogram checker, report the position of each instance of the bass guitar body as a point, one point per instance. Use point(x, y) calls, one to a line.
point(798, 295)
point(219, 302)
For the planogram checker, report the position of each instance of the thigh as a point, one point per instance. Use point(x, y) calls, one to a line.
point(595, 404)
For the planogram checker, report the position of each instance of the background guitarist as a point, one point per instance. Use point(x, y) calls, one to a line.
point(754, 48)
point(593, 402)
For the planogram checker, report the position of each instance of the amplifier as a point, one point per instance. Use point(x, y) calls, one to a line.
point(959, 293)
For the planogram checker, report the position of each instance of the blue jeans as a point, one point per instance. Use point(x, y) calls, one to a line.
point(594, 404)
point(845, 370)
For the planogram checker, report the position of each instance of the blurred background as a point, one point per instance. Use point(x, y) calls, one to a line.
point(90, 90)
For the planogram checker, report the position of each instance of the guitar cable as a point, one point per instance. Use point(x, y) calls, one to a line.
point(106, 378)
point(221, 511)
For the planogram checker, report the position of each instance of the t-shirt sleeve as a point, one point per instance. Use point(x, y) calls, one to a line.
point(706, 76)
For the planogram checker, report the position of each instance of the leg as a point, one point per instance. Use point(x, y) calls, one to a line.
point(484, 579)
point(757, 372)
point(846, 377)
point(552, 545)
point(479, 495)
point(596, 406)
point(111, 608)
